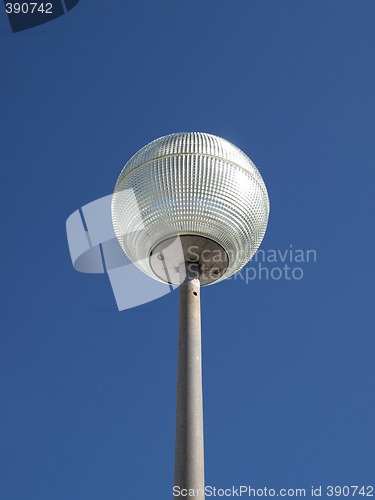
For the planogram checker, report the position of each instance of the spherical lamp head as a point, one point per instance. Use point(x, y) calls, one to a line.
point(190, 197)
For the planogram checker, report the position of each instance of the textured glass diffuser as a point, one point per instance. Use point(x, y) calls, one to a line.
point(190, 184)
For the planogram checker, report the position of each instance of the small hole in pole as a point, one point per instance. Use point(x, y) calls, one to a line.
point(195, 293)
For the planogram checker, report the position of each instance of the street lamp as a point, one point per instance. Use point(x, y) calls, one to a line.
point(198, 213)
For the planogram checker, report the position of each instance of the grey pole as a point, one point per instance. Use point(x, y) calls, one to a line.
point(189, 451)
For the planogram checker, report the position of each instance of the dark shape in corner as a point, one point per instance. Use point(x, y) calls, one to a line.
point(48, 11)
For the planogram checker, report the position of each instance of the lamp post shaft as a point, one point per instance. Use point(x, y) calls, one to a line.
point(189, 449)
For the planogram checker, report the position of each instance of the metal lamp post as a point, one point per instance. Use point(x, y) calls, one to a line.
point(197, 214)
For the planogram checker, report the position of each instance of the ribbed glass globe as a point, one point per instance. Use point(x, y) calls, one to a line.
point(190, 184)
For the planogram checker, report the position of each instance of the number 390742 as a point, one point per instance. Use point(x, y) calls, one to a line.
point(28, 8)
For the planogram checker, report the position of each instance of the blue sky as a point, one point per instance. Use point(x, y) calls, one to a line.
point(88, 393)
